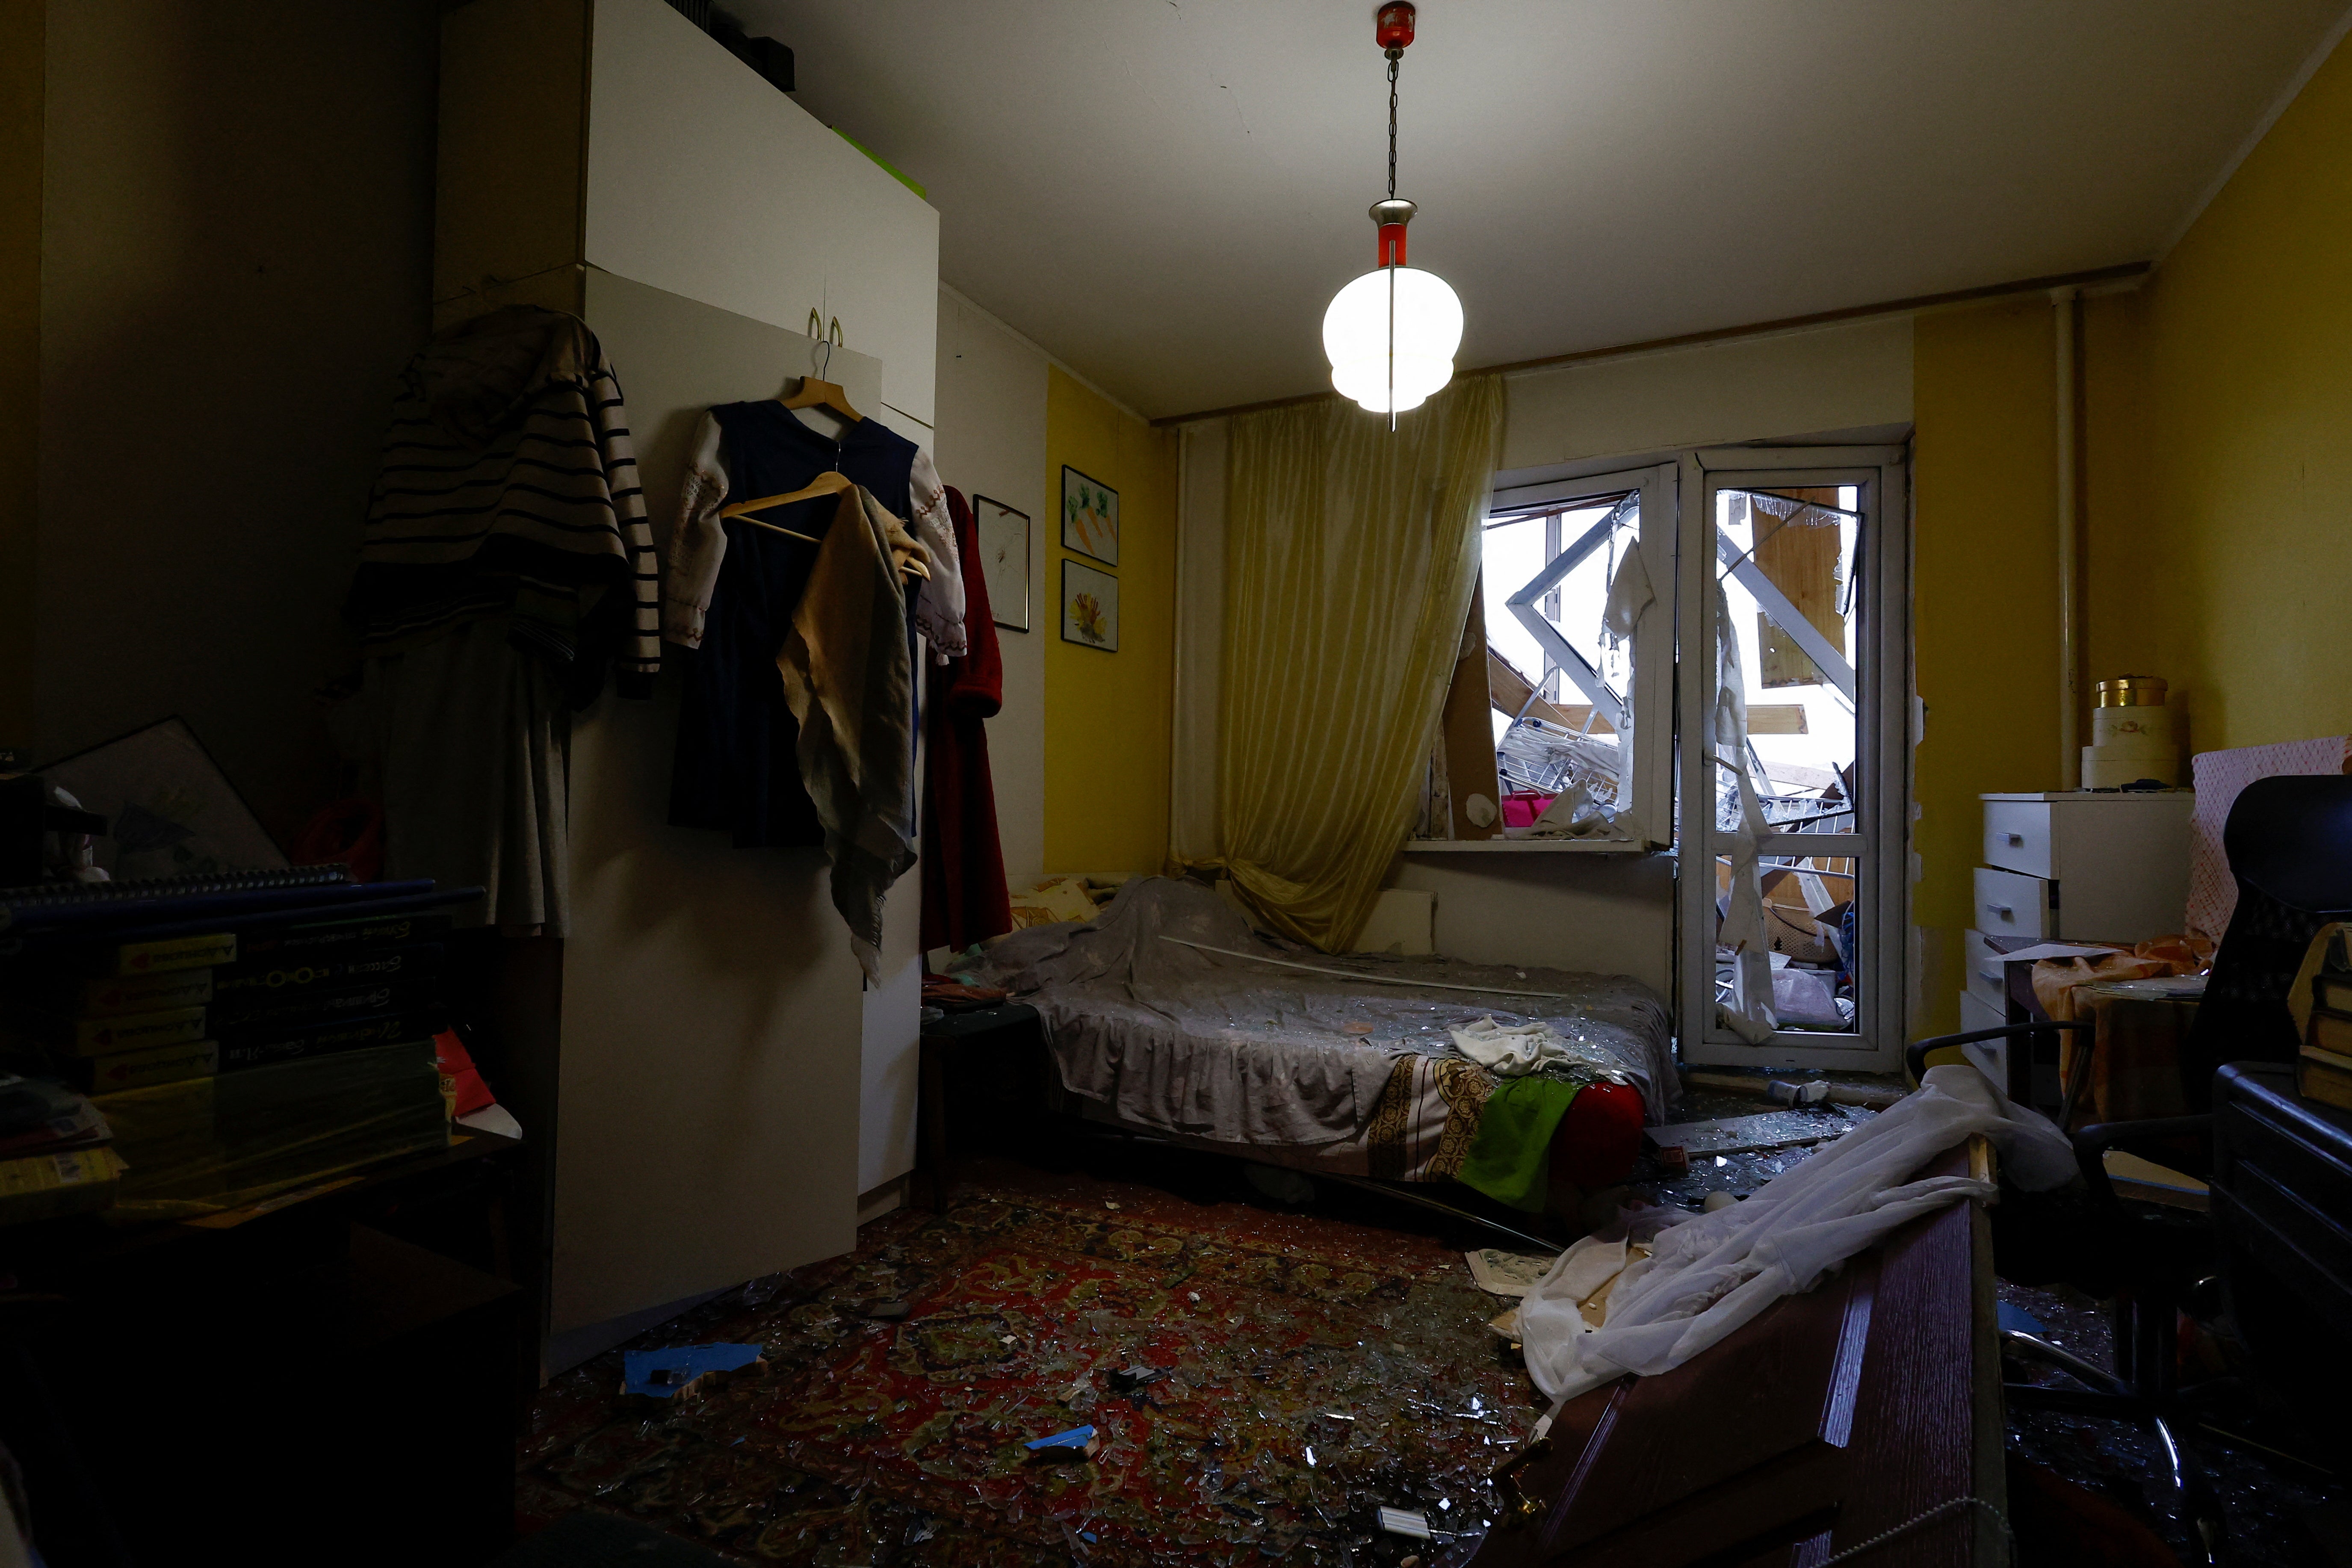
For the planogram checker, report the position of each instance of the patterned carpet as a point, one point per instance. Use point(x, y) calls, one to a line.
point(1259, 1383)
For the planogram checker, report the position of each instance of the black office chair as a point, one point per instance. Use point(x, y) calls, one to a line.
point(2148, 1260)
point(2289, 842)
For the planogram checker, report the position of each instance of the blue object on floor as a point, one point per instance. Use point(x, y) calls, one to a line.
point(1076, 1438)
point(2015, 1318)
point(661, 1374)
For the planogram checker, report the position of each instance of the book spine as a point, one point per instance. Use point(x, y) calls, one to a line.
point(218, 908)
point(2326, 1058)
point(240, 1017)
point(142, 1069)
point(297, 974)
point(165, 927)
point(2327, 1084)
point(269, 1049)
point(208, 951)
point(145, 993)
point(140, 1031)
point(68, 895)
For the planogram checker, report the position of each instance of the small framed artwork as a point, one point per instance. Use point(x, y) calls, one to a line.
point(1089, 517)
point(1089, 606)
point(1003, 540)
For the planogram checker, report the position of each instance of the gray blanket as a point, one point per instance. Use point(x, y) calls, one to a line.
point(1245, 1050)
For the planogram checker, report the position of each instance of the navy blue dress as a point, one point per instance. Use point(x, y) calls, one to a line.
point(735, 768)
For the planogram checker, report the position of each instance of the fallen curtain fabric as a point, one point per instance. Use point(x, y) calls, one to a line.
point(1350, 552)
point(849, 670)
point(1707, 1276)
point(964, 897)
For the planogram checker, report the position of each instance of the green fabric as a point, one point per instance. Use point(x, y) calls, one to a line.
point(1510, 1159)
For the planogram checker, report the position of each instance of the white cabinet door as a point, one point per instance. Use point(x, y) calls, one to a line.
point(705, 181)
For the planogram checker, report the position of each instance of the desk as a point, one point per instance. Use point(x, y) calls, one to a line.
point(305, 1387)
point(1833, 1417)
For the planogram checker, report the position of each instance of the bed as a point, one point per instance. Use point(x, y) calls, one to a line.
point(1169, 1015)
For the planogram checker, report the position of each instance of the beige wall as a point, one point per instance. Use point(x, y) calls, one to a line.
point(991, 441)
point(1845, 377)
point(236, 243)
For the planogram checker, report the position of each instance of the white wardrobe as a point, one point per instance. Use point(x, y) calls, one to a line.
point(725, 1085)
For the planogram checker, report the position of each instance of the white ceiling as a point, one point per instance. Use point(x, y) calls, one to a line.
point(1166, 192)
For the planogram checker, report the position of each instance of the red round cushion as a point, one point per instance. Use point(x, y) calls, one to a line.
point(1600, 1135)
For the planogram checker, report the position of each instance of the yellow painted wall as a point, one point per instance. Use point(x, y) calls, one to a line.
point(1985, 604)
point(1108, 714)
point(2227, 570)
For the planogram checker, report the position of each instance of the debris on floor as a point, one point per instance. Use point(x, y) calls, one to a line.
point(685, 1369)
point(1502, 1273)
point(1077, 1443)
point(1258, 1383)
point(1752, 1134)
point(2268, 1474)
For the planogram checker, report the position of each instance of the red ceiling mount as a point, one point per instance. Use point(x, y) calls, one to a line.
point(1392, 28)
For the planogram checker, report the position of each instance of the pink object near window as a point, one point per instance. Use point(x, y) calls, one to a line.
point(1521, 808)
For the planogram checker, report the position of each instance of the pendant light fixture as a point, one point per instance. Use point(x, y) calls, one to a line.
point(1391, 333)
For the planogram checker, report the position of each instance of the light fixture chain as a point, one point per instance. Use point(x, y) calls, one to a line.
point(1392, 107)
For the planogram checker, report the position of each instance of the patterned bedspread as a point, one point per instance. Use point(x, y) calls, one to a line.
point(1168, 1015)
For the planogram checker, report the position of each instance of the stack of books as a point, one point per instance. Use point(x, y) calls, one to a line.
point(237, 1040)
point(2324, 1073)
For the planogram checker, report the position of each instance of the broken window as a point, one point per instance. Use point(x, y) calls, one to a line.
point(1549, 732)
point(1794, 720)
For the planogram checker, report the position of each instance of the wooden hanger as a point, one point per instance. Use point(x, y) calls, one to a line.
point(815, 393)
point(825, 484)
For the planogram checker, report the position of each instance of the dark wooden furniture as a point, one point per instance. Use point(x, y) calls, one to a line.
point(1870, 1403)
point(2282, 1218)
point(955, 1042)
point(305, 1386)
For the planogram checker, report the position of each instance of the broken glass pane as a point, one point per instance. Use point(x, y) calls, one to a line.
point(1786, 560)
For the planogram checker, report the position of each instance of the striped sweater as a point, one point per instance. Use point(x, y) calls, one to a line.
point(510, 488)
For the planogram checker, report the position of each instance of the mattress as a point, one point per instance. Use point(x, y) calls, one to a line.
point(1171, 1014)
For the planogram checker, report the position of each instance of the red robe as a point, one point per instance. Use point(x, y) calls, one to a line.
point(964, 898)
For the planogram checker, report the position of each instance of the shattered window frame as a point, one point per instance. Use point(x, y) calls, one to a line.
point(1533, 747)
point(1868, 840)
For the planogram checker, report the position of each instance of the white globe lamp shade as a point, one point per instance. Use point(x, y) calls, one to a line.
point(1391, 336)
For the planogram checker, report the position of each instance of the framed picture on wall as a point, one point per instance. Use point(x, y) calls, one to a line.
point(1089, 606)
point(1004, 540)
point(1089, 517)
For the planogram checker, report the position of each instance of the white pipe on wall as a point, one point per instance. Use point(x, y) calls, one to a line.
point(2067, 310)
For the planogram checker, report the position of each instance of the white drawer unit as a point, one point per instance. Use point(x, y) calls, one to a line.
point(2010, 903)
point(1987, 976)
point(1991, 1057)
point(2118, 862)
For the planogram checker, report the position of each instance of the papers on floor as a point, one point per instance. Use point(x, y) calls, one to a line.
point(1504, 1273)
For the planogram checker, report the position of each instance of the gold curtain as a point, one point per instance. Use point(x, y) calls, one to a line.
point(1349, 556)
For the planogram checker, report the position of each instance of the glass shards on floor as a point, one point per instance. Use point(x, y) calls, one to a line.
point(2277, 1510)
point(1258, 1385)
